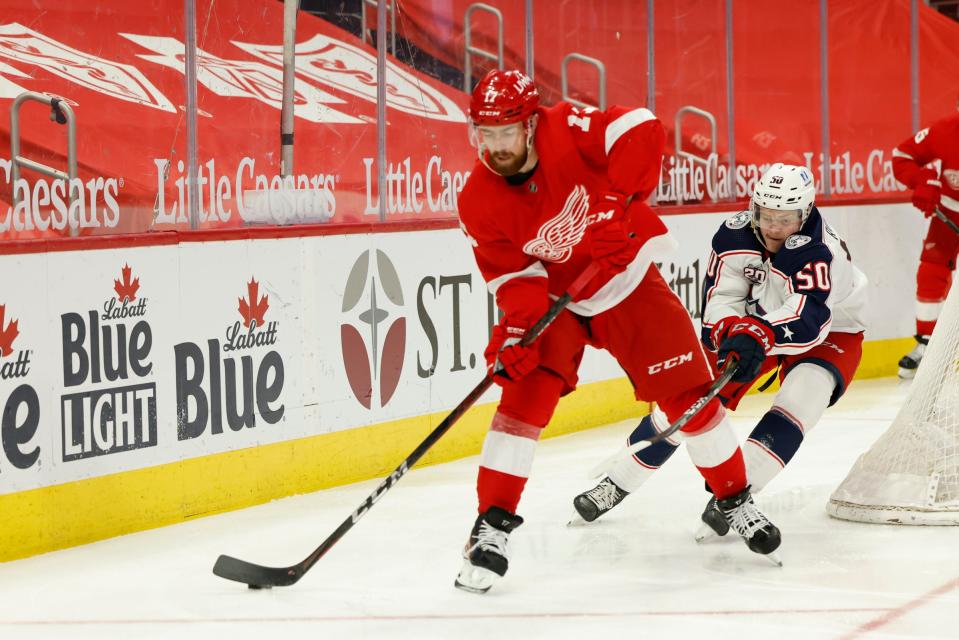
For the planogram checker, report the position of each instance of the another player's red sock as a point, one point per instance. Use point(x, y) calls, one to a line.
point(498, 489)
point(712, 445)
point(726, 479)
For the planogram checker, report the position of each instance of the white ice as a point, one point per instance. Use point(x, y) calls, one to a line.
point(635, 573)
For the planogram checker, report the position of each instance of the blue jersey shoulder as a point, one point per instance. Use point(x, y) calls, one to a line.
point(803, 247)
point(736, 234)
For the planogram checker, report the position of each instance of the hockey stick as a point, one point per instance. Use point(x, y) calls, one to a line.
point(949, 223)
point(258, 576)
point(729, 370)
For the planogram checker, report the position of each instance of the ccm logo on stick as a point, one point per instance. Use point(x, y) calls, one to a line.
point(669, 364)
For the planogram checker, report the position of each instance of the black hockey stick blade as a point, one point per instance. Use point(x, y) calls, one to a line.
point(254, 575)
point(259, 577)
point(949, 223)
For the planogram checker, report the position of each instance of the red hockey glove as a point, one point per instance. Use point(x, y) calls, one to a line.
point(610, 244)
point(506, 360)
point(748, 340)
point(720, 329)
point(925, 196)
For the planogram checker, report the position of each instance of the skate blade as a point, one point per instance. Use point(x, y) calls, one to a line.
point(774, 558)
point(705, 533)
point(474, 579)
point(576, 520)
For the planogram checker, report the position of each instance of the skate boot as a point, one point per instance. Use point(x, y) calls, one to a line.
point(598, 500)
point(714, 522)
point(744, 517)
point(910, 362)
point(486, 555)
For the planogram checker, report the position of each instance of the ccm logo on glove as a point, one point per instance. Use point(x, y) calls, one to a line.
point(748, 341)
point(757, 331)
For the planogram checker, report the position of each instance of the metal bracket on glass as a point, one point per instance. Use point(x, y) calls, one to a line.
point(692, 158)
point(475, 51)
point(61, 113)
point(601, 78)
point(390, 10)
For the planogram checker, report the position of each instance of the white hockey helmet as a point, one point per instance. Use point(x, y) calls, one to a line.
point(786, 187)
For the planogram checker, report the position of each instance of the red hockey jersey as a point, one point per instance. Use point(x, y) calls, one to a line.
point(937, 142)
point(538, 229)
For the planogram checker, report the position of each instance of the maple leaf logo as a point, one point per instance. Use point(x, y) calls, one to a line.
point(253, 309)
point(8, 333)
point(126, 289)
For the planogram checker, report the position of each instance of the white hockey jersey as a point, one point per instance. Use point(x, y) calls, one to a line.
point(807, 289)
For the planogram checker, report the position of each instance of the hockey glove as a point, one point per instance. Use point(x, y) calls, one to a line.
point(720, 329)
point(925, 196)
point(610, 244)
point(748, 341)
point(506, 360)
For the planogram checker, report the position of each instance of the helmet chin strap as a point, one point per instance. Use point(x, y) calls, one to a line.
point(530, 127)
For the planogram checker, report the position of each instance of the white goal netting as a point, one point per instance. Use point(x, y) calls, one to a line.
point(911, 474)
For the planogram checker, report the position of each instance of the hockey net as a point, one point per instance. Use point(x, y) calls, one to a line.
point(911, 474)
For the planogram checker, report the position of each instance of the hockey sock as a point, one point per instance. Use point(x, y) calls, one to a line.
point(505, 462)
point(770, 446)
point(630, 472)
point(717, 455)
point(714, 449)
point(932, 285)
point(800, 403)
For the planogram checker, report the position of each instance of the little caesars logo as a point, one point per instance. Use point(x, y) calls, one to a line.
point(21, 406)
point(244, 380)
point(102, 350)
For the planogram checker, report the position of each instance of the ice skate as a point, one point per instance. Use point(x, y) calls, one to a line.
point(910, 362)
point(597, 501)
point(744, 517)
point(713, 522)
point(486, 555)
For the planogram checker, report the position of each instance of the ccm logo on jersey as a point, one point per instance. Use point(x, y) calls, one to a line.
point(675, 361)
point(754, 274)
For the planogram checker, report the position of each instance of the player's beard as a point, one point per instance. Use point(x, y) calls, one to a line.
point(507, 164)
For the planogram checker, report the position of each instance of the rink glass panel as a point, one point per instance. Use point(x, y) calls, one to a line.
point(864, 125)
point(128, 112)
point(125, 72)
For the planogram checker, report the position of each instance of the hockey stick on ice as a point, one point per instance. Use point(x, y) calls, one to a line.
point(258, 576)
point(949, 223)
point(724, 377)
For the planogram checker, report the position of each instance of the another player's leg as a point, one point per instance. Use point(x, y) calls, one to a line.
point(804, 395)
point(629, 472)
point(909, 363)
point(525, 408)
point(933, 279)
point(672, 369)
point(714, 449)
point(507, 457)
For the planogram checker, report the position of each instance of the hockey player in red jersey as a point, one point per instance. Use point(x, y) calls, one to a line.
point(781, 292)
point(557, 188)
point(931, 189)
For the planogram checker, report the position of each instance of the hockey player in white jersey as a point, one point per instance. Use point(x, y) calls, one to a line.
point(781, 291)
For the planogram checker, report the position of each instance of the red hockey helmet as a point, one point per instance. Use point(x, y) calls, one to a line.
point(503, 97)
